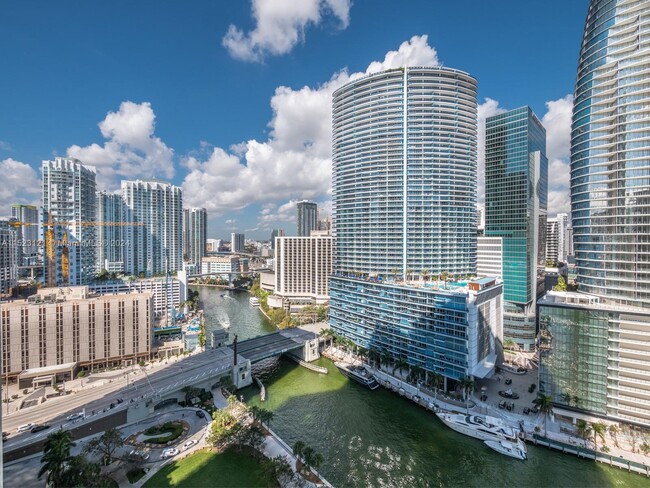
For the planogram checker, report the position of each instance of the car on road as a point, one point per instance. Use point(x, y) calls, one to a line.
point(532, 387)
point(25, 427)
point(169, 452)
point(508, 394)
point(484, 397)
point(189, 444)
point(526, 411)
point(200, 414)
point(508, 381)
point(39, 428)
point(75, 416)
point(137, 453)
point(502, 404)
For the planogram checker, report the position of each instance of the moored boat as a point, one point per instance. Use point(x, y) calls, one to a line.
point(516, 450)
point(480, 427)
point(254, 301)
point(358, 374)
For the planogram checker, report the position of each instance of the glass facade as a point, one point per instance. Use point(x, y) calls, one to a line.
point(516, 188)
point(610, 153)
point(448, 332)
point(594, 357)
point(404, 172)
point(573, 351)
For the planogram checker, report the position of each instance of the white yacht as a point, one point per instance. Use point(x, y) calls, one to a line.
point(358, 374)
point(480, 427)
point(516, 450)
point(254, 301)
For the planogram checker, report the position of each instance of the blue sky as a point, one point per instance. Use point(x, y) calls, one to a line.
point(230, 99)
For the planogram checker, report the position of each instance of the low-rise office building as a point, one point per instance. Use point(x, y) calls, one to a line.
point(594, 357)
point(220, 265)
point(60, 327)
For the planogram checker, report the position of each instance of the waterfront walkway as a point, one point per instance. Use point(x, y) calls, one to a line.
point(559, 435)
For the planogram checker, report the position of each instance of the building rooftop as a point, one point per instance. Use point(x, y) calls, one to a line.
point(463, 287)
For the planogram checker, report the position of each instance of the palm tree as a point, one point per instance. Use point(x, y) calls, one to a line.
point(374, 356)
point(416, 373)
point(299, 449)
point(409, 272)
point(266, 416)
point(467, 384)
point(437, 381)
point(545, 405)
point(425, 274)
point(584, 430)
point(56, 456)
point(395, 272)
point(613, 430)
point(400, 364)
point(598, 430)
point(386, 358)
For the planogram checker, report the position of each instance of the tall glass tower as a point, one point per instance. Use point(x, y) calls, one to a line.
point(594, 353)
point(404, 172)
point(307, 218)
point(610, 153)
point(516, 187)
point(404, 213)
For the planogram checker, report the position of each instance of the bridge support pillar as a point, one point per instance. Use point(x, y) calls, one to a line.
point(241, 373)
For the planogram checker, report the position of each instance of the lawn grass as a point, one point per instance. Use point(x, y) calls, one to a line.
point(170, 431)
point(210, 469)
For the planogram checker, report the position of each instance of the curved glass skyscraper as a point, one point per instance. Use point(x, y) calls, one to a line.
point(404, 172)
point(610, 153)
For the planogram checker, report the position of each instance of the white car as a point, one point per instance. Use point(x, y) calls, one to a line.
point(170, 452)
point(75, 416)
point(189, 444)
point(25, 427)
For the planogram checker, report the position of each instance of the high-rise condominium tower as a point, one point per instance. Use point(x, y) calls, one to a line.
point(404, 206)
point(610, 160)
point(404, 172)
point(594, 344)
point(307, 218)
point(195, 229)
point(111, 244)
point(68, 217)
point(26, 233)
point(155, 238)
point(237, 242)
point(516, 185)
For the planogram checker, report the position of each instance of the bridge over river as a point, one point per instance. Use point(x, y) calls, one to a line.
point(302, 343)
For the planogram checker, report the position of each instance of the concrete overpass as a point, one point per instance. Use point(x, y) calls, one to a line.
point(302, 343)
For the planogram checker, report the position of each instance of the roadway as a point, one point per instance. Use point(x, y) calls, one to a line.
point(96, 397)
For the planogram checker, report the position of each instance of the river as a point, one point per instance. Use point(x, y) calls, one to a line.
point(378, 439)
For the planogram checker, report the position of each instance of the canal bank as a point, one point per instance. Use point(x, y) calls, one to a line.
point(377, 438)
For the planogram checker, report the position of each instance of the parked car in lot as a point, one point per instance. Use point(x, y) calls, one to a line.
point(137, 453)
point(532, 387)
point(502, 404)
point(169, 452)
point(39, 428)
point(25, 427)
point(75, 416)
point(200, 414)
point(484, 397)
point(509, 394)
point(189, 444)
point(526, 411)
point(508, 381)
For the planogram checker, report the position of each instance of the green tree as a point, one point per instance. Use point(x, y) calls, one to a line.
point(56, 456)
point(561, 284)
point(599, 429)
point(425, 273)
point(224, 428)
point(248, 435)
point(545, 405)
point(401, 364)
point(645, 448)
point(437, 380)
point(467, 384)
point(584, 430)
point(265, 416)
point(81, 473)
point(613, 431)
point(106, 444)
point(299, 449)
point(190, 393)
point(277, 469)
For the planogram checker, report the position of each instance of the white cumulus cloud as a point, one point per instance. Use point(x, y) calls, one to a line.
point(557, 122)
point(131, 149)
point(20, 184)
point(295, 162)
point(280, 25)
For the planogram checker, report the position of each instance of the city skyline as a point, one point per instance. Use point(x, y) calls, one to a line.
point(285, 155)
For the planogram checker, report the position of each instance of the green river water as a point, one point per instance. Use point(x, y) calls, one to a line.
point(378, 439)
